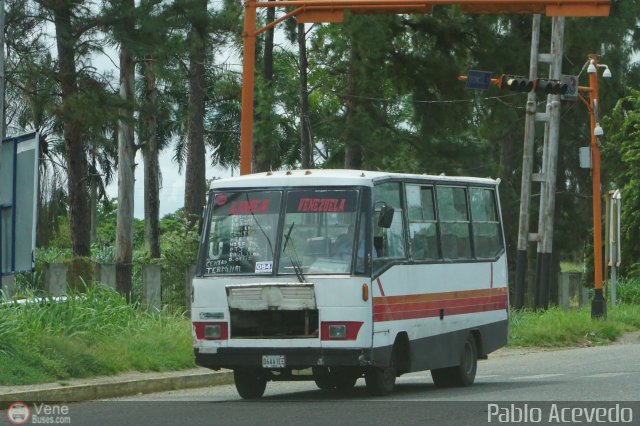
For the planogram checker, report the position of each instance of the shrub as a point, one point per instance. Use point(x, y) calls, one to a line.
point(628, 291)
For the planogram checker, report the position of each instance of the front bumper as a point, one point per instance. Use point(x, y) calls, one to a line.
point(296, 358)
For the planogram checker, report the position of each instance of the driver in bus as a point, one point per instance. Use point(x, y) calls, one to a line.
point(344, 244)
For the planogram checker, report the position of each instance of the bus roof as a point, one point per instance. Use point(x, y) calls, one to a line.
point(334, 177)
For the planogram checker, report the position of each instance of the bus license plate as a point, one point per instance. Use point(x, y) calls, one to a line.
point(273, 361)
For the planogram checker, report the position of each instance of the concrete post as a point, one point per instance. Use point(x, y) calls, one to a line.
point(564, 290)
point(151, 287)
point(584, 296)
point(105, 273)
point(55, 278)
point(8, 286)
point(188, 285)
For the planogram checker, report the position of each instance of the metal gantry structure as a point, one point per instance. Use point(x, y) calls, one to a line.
point(318, 11)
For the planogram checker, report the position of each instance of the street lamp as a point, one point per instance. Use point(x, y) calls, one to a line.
point(598, 305)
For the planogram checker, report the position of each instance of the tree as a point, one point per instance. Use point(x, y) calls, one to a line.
point(73, 26)
point(126, 151)
point(154, 126)
point(197, 40)
point(306, 146)
point(207, 94)
point(622, 160)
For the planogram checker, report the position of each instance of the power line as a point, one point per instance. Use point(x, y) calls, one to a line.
point(424, 101)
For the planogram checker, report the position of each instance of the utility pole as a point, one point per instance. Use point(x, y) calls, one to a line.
point(527, 170)
point(598, 304)
point(548, 170)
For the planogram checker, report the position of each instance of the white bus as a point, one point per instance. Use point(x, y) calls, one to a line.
point(331, 275)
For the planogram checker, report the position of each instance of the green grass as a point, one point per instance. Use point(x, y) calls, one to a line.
point(628, 291)
point(97, 333)
point(557, 328)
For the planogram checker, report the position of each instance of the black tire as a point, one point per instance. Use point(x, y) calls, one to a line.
point(250, 384)
point(463, 374)
point(346, 378)
point(323, 378)
point(441, 377)
point(382, 380)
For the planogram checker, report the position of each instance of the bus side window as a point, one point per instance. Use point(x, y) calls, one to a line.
point(454, 222)
point(423, 231)
point(487, 234)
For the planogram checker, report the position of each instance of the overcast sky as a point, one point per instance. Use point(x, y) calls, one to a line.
point(172, 186)
point(172, 183)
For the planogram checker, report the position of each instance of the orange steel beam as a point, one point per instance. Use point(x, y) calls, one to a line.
point(333, 11)
point(548, 7)
point(316, 14)
point(248, 69)
point(280, 19)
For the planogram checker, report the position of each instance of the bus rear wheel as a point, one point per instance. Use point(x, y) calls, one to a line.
point(250, 383)
point(463, 374)
point(382, 380)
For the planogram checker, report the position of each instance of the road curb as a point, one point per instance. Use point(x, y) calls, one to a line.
point(93, 391)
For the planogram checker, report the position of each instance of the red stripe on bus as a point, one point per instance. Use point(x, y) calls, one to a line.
point(437, 304)
point(430, 313)
point(392, 308)
point(428, 297)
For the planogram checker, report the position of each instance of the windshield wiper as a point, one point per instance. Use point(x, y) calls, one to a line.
point(293, 255)
point(255, 219)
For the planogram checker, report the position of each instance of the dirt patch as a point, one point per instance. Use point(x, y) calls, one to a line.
point(631, 338)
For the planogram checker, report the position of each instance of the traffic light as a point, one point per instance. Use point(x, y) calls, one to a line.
point(516, 84)
point(544, 86)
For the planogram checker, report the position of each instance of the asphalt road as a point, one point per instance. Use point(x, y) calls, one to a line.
point(598, 377)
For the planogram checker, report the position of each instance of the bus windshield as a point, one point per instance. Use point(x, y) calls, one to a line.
point(317, 234)
point(242, 232)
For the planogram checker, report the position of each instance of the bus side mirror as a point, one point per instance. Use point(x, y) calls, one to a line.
point(386, 216)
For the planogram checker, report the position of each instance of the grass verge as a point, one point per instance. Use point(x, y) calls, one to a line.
point(558, 328)
point(96, 333)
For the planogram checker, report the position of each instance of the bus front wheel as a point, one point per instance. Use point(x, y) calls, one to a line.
point(323, 378)
point(335, 378)
point(463, 374)
point(382, 380)
point(250, 383)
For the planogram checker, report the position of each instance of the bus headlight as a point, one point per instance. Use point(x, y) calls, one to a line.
point(338, 331)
